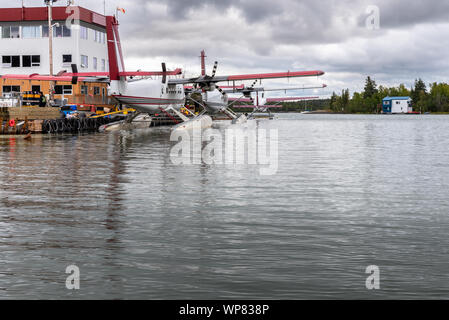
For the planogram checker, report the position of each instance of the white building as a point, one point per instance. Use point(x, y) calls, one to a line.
point(394, 105)
point(24, 45)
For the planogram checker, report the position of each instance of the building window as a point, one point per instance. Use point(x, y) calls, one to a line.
point(95, 63)
point(45, 31)
point(11, 89)
point(58, 32)
point(99, 36)
point(36, 88)
point(96, 91)
point(65, 90)
point(31, 32)
point(66, 59)
point(11, 61)
point(10, 32)
point(84, 90)
point(84, 33)
point(84, 61)
point(31, 61)
point(66, 32)
point(103, 65)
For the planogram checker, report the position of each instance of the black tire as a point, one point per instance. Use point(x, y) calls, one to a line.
point(45, 126)
point(52, 126)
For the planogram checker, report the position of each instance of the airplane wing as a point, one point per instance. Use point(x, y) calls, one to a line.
point(241, 87)
point(250, 89)
point(175, 72)
point(207, 79)
point(290, 89)
point(125, 74)
point(285, 99)
point(87, 76)
point(38, 77)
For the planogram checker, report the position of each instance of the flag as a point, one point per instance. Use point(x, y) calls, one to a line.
point(121, 9)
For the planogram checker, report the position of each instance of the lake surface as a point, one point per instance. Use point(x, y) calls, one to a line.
point(350, 191)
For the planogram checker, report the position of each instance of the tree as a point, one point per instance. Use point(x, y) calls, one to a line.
point(434, 99)
point(419, 87)
point(370, 88)
point(333, 102)
point(423, 104)
point(344, 100)
point(439, 93)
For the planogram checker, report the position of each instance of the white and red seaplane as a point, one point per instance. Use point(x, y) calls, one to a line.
point(215, 98)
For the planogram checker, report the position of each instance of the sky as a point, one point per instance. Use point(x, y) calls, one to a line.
point(393, 41)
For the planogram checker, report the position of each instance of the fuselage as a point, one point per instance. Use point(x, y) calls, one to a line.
point(150, 95)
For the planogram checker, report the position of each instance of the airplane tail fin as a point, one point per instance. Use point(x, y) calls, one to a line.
point(115, 55)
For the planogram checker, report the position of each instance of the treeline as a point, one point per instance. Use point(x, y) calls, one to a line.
point(305, 105)
point(431, 98)
point(434, 98)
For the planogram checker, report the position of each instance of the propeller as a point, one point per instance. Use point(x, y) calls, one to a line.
point(164, 70)
point(75, 71)
point(252, 99)
point(247, 90)
point(254, 84)
point(214, 71)
point(221, 91)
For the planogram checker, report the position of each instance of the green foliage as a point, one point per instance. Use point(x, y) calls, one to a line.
point(434, 98)
point(370, 100)
point(370, 88)
point(439, 97)
point(420, 87)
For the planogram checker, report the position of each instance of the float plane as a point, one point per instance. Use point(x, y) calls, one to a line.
point(214, 97)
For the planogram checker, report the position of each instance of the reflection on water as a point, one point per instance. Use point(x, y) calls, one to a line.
point(351, 191)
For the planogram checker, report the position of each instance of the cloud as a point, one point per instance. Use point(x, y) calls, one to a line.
point(265, 35)
point(401, 14)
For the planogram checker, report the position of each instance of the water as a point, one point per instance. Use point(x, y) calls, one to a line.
point(350, 191)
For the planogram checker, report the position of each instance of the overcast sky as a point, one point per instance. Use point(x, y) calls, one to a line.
point(248, 36)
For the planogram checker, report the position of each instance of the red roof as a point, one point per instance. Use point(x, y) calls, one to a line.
point(41, 14)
